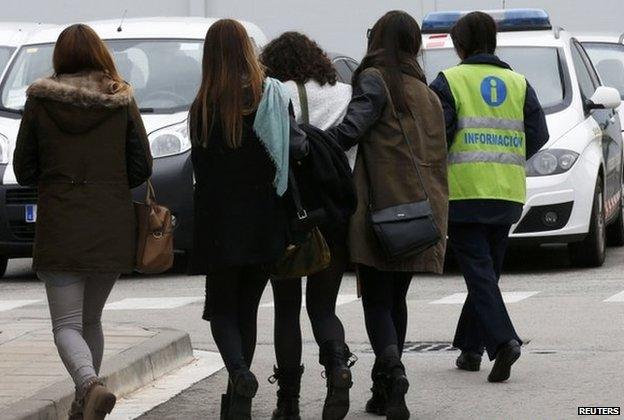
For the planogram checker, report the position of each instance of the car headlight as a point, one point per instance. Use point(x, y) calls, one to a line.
point(551, 162)
point(170, 140)
point(4, 150)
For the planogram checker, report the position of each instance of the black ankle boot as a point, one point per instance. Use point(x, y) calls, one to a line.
point(225, 405)
point(377, 403)
point(243, 387)
point(289, 383)
point(396, 385)
point(337, 359)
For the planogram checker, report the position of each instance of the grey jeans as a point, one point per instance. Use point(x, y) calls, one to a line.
point(76, 302)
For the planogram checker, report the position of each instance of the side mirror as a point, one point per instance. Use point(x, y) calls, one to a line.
point(604, 98)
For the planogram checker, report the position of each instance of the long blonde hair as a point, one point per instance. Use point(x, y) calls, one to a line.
point(232, 79)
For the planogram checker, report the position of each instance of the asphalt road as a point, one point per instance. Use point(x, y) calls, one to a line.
point(573, 355)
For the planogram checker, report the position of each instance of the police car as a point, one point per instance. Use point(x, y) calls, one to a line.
point(607, 54)
point(575, 183)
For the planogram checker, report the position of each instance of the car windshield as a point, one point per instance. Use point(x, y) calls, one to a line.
point(540, 66)
point(609, 62)
point(164, 74)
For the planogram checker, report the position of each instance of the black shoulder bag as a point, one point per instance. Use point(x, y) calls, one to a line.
point(403, 230)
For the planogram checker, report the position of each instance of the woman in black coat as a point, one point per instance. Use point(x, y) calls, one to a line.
point(242, 140)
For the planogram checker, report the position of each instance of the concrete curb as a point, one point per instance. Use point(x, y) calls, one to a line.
point(123, 373)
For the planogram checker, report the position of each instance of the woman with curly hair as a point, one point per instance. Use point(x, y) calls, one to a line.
point(317, 98)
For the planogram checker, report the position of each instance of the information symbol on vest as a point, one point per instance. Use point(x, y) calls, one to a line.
point(493, 91)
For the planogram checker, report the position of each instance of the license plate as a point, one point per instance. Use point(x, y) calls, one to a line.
point(30, 213)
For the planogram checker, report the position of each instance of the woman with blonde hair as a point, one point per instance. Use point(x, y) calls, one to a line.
point(243, 138)
point(83, 145)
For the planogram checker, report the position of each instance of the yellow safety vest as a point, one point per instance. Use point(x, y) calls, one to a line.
point(488, 154)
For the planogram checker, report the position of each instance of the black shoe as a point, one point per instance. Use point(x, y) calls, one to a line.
point(289, 383)
point(506, 356)
point(335, 356)
point(244, 386)
point(468, 361)
point(397, 384)
point(377, 402)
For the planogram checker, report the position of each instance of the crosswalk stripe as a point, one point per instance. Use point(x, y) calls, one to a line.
point(619, 297)
point(166, 387)
point(459, 298)
point(341, 300)
point(151, 303)
point(7, 305)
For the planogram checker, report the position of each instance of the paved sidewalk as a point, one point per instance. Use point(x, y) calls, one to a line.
point(33, 380)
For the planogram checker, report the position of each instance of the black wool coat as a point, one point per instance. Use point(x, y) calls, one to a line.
point(239, 219)
point(326, 183)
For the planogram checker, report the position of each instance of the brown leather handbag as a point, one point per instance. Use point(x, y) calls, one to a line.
point(155, 225)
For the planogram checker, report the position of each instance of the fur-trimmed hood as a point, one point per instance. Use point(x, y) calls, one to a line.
point(84, 89)
point(80, 102)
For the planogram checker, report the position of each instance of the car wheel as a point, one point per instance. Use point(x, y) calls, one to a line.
point(4, 261)
point(615, 231)
point(591, 251)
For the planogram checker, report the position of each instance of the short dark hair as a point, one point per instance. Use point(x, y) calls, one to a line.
point(473, 34)
point(294, 56)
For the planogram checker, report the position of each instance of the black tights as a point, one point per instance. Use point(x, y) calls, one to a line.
point(234, 295)
point(384, 296)
point(321, 293)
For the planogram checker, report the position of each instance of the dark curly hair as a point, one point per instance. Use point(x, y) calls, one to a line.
point(294, 56)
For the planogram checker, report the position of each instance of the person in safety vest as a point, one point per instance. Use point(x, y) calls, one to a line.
point(494, 123)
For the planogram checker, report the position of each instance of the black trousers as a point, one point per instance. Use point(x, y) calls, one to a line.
point(484, 321)
point(233, 296)
point(384, 295)
point(321, 294)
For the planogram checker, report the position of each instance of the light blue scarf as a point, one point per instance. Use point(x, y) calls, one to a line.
point(272, 126)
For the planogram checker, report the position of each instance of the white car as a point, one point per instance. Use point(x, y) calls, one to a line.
point(161, 58)
point(12, 35)
point(575, 182)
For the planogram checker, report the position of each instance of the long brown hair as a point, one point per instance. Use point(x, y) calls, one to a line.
point(393, 45)
point(231, 87)
point(78, 48)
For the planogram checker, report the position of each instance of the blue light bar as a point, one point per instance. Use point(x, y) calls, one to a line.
point(507, 20)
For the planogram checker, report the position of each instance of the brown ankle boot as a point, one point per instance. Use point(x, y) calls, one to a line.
point(75, 412)
point(98, 402)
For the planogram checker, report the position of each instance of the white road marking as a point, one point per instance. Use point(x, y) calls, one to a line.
point(166, 387)
point(459, 298)
point(616, 298)
point(7, 305)
point(341, 300)
point(152, 303)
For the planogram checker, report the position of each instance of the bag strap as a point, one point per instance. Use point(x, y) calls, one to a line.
point(413, 158)
point(303, 101)
point(296, 195)
point(150, 194)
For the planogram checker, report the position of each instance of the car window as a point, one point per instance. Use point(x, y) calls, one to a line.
point(540, 65)
point(344, 72)
point(165, 74)
point(583, 74)
point(608, 60)
point(353, 65)
point(5, 56)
